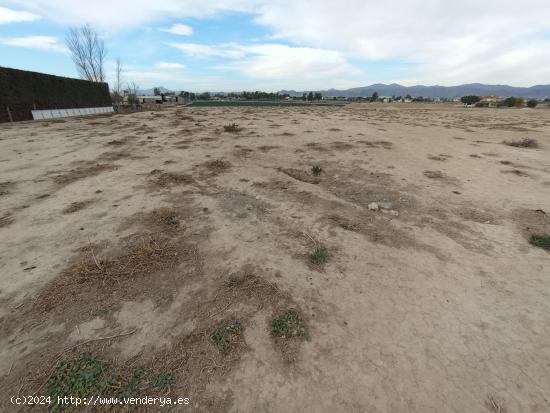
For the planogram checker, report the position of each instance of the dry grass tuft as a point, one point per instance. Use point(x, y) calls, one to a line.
point(494, 406)
point(516, 172)
point(164, 217)
point(300, 175)
point(217, 166)
point(81, 173)
point(377, 144)
point(117, 142)
point(76, 206)
point(5, 187)
point(90, 276)
point(523, 143)
point(166, 179)
point(232, 127)
point(6, 220)
point(267, 148)
point(433, 174)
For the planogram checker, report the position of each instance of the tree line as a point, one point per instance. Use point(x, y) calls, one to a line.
point(509, 102)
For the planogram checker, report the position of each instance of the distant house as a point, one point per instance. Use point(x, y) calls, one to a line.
point(334, 98)
point(150, 99)
point(489, 100)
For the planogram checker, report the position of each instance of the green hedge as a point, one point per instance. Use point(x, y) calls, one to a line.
point(24, 91)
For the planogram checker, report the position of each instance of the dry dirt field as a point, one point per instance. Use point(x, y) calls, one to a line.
point(159, 253)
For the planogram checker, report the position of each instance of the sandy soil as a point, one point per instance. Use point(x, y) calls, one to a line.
point(135, 237)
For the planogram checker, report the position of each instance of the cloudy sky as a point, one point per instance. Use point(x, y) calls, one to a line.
point(233, 45)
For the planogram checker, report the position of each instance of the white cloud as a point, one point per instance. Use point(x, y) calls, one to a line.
point(179, 29)
point(444, 42)
point(229, 50)
point(124, 14)
point(169, 65)
point(35, 42)
point(275, 61)
point(441, 41)
point(14, 16)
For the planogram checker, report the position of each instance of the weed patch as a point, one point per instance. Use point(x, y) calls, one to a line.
point(85, 376)
point(162, 381)
point(319, 256)
point(316, 170)
point(287, 325)
point(227, 335)
point(288, 330)
point(80, 377)
point(541, 241)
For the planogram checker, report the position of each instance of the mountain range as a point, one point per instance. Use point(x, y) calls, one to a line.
point(449, 92)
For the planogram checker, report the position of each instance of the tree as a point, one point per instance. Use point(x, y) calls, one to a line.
point(532, 103)
point(374, 97)
point(511, 102)
point(132, 94)
point(470, 100)
point(157, 92)
point(310, 96)
point(116, 94)
point(318, 96)
point(118, 76)
point(87, 52)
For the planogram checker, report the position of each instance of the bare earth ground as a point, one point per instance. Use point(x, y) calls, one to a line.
point(161, 241)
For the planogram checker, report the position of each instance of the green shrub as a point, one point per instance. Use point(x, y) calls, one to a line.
point(222, 336)
point(79, 377)
point(540, 240)
point(162, 381)
point(511, 102)
point(532, 103)
point(288, 324)
point(316, 170)
point(470, 100)
point(319, 256)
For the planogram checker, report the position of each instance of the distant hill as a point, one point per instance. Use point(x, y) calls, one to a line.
point(450, 92)
point(150, 92)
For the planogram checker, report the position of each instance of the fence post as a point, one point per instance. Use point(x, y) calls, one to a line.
point(9, 113)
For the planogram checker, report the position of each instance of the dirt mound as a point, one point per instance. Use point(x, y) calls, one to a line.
point(300, 175)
